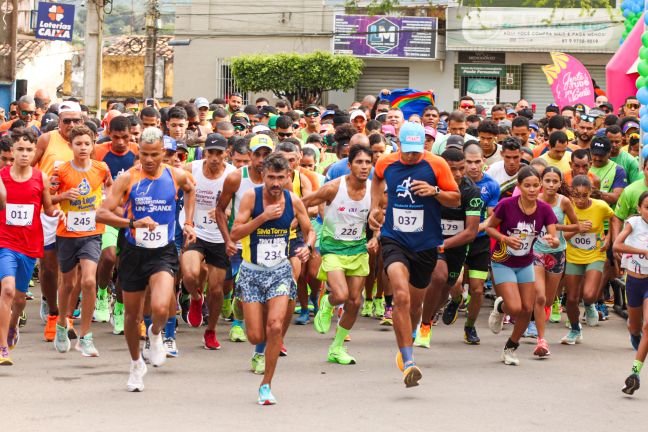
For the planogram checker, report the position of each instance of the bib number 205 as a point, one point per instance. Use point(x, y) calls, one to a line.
point(152, 239)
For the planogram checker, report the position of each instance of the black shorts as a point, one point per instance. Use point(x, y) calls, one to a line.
point(478, 257)
point(70, 250)
point(420, 264)
point(294, 244)
point(455, 259)
point(214, 253)
point(137, 265)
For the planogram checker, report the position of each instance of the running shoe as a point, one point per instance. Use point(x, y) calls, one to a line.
point(5, 359)
point(591, 316)
point(496, 319)
point(72, 334)
point(146, 352)
point(284, 351)
point(411, 374)
point(555, 316)
point(184, 307)
point(50, 328)
point(303, 318)
point(435, 318)
point(367, 308)
point(634, 340)
point(542, 349)
point(572, 338)
point(86, 346)
point(399, 361)
point(211, 343)
point(339, 354)
point(61, 341)
point(509, 357)
point(118, 319)
point(631, 384)
point(195, 316)
point(44, 310)
point(531, 331)
point(265, 396)
point(450, 313)
point(171, 348)
point(470, 336)
point(602, 310)
point(322, 321)
point(237, 334)
point(136, 378)
point(423, 336)
point(22, 319)
point(102, 307)
point(258, 364)
point(76, 313)
point(387, 317)
point(158, 352)
point(226, 309)
point(13, 336)
point(142, 331)
point(378, 307)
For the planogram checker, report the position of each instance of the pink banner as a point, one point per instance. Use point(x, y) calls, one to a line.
point(569, 80)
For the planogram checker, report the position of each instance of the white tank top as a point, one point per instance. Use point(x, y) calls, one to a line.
point(207, 194)
point(246, 184)
point(345, 218)
point(638, 238)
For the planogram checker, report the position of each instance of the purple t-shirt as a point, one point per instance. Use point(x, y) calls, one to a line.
point(525, 227)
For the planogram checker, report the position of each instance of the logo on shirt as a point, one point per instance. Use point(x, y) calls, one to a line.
point(403, 190)
point(476, 202)
point(84, 187)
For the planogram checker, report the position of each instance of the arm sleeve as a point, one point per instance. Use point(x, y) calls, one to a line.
point(474, 202)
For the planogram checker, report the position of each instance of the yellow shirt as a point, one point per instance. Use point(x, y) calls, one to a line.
point(585, 248)
point(562, 164)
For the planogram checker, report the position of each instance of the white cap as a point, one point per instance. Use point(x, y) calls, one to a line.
point(358, 113)
point(260, 128)
point(69, 106)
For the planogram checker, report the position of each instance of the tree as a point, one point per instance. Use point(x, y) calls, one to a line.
point(294, 77)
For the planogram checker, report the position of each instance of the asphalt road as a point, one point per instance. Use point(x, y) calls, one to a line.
point(464, 388)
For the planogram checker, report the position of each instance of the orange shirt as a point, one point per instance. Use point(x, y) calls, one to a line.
point(568, 177)
point(311, 176)
point(4, 127)
point(101, 150)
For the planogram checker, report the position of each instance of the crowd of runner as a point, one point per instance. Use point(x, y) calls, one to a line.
point(255, 213)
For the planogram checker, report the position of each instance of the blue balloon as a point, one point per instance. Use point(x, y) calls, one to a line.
point(644, 123)
point(642, 95)
point(627, 13)
point(643, 111)
point(644, 152)
point(645, 140)
point(646, 19)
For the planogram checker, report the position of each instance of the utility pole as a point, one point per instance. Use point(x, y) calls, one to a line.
point(92, 67)
point(152, 17)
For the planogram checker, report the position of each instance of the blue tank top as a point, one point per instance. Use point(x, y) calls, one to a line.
point(119, 164)
point(544, 248)
point(267, 246)
point(156, 198)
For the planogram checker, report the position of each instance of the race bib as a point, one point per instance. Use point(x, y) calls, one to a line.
point(81, 221)
point(20, 214)
point(204, 222)
point(157, 238)
point(584, 241)
point(406, 220)
point(451, 227)
point(350, 232)
point(525, 247)
point(271, 254)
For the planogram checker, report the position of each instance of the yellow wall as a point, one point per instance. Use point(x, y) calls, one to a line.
point(122, 76)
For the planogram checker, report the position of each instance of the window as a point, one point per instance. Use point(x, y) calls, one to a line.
point(225, 84)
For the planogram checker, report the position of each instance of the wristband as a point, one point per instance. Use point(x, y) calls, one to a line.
point(189, 223)
point(131, 224)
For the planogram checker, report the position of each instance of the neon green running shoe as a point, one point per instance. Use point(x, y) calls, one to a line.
point(423, 336)
point(378, 307)
point(555, 316)
point(258, 363)
point(118, 319)
point(237, 334)
point(322, 321)
point(367, 308)
point(102, 307)
point(226, 309)
point(339, 354)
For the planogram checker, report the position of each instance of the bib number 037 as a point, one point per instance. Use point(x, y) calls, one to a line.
point(406, 220)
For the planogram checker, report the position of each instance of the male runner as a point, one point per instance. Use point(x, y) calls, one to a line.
point(210, 174)
point(149, 257)
point(417, 185)
point(345, 261)
point(23, 192)
point(265, 279)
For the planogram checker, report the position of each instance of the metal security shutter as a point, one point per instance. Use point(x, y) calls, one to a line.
point(374, 79)
point(536, 90)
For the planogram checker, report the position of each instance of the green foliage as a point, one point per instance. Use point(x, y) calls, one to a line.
point(382, 7)
point(296, 76)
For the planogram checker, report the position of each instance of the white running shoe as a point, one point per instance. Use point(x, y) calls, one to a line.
point(591, 316)
point(136, 378)
point(509, 357)
point(158, 352)
point(496, 319)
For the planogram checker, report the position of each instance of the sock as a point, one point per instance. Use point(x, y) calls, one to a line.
point(260, 348)
point(147, 321)
point(469, 322)
point(119, 308)
point(500, 307)
point(428, 323)
point(388, 301)
point(575, 326)
point(586, 305)
point(406, 352)
point(340, 334)
point(511, 345)
point(169, 329)
point(102, 292)
point(636, 367)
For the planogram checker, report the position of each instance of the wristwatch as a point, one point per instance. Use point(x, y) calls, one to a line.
point(437, 190)
point(131, 224)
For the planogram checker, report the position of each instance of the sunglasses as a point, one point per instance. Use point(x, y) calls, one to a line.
point(13, 113)
point(239, 128)
point(588, 118)
point(312, 114)
point(632, 106)
point(295, 125)
point(285, 134)
point(466, 105)
point(26, 113)
point(68, 121)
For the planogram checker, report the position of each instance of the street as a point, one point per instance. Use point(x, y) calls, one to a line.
point(464, 388)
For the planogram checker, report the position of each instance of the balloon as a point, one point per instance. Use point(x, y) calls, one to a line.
point(644, 39)
point(626, 13)
point(644, 153)
point(643, 53)
point(646, 19)
point(642, 68)
point(644, 124)
point(642, 95)
point(645, 141)
point(641, 82)
point(643, 110)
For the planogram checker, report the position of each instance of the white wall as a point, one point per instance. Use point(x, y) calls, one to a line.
point(47, 70)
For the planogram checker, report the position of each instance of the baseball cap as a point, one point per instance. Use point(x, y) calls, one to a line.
point(430, 131)
point(382, 117)
point(600, 146)
point(510, 111)
point(260, 128)
point(48, 118)
point(312, 108)
point(630, 125)
point(607, 105)
point(328, 113)
point(455, 141)
point(412, 138)
point(358, 113)
point(388, 130)
point(215, 141)
point(240, 118)
point(272, 123)
point(580, 108)
point(69, 106)
point(261, 140)
point(201, 102)
point(169, 143)
point(596, 112)
point(552, 108)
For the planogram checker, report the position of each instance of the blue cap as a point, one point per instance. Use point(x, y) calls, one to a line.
point(169, 143)
point(412, 138)
point(328, 113)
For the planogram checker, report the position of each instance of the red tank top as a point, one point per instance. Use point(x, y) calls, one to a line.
point(20, 223)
